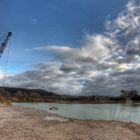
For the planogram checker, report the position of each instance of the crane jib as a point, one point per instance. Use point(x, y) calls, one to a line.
point(4, 43)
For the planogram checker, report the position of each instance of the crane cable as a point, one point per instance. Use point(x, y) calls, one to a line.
point(6, 67)
point(5, 49)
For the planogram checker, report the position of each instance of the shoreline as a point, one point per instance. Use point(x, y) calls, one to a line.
point(22, 123)
point(73, 102)
point(65, 102)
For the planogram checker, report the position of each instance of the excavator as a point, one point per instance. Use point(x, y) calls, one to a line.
point(4, 43)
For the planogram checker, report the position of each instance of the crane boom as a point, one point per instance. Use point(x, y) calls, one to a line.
point(4, 43)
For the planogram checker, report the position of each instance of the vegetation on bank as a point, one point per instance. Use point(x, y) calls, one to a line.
point(36, 95)
point(4, 100)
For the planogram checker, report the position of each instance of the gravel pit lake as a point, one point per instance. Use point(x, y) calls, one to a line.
point(117, 112)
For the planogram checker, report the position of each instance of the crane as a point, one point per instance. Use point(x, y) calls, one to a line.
point(4, 43)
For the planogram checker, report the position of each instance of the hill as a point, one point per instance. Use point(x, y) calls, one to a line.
point(23, 95)
point(39, 95)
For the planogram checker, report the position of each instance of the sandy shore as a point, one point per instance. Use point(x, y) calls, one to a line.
point(18, 123)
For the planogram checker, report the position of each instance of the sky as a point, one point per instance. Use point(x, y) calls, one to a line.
point(72, 47)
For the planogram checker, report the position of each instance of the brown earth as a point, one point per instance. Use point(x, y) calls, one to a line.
point(18, 123)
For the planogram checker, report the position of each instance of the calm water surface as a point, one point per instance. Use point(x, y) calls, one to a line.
point(122, 112)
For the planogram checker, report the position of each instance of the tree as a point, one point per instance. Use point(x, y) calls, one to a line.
point(129, 94)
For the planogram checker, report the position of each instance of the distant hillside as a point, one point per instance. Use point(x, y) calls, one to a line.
point(39, 95)
point(21, 94)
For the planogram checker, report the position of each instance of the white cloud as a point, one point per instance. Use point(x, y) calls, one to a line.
point(95, 47)
point(34, 21)
point(104, 64)
point(125, 30)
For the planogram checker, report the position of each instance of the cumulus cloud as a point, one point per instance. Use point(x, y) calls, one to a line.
point(103, 65)
point(47, 76)
point(111, 85)
point(125, 30)
point(95, 47)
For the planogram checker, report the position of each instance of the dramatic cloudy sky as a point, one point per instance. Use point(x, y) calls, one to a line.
point(77, 47)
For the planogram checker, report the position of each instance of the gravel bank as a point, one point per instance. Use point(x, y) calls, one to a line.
point(19, 123)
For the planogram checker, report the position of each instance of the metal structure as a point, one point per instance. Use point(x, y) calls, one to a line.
point(4, 43)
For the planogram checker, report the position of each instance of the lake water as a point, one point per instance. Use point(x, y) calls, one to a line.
point(121, 112)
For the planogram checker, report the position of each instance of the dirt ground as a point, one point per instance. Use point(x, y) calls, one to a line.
point(18, 123)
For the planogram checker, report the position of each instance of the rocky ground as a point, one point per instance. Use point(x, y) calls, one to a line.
point(18, 123)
